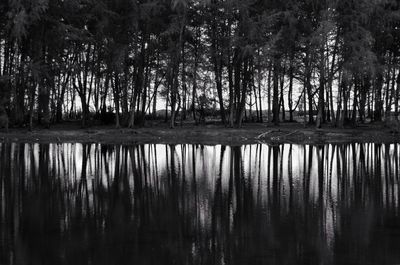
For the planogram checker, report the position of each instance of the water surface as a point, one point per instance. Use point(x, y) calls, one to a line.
point(195, 204)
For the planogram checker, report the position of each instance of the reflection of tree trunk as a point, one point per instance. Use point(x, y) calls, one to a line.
point(237, 165)
point(321, 177)
point(259, 162)
point(333, 150)
point(275, 184)
point(396, 166)
point(307, 174)
point(229, 204)
point(137, 180)
point(84, 181)
point(388, 176)
point(290, 176)
point(217, 208)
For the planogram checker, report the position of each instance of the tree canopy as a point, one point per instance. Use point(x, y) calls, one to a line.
point(125, 62)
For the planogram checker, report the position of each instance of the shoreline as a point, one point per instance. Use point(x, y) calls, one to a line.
point(206, 134)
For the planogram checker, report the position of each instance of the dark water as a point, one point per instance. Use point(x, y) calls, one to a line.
point(193, 204)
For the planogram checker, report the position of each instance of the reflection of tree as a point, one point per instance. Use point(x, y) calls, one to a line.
point(193, 204)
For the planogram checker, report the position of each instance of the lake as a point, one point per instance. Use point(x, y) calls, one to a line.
point(194, 204)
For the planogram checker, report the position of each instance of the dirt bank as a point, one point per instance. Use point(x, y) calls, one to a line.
point(210, 134)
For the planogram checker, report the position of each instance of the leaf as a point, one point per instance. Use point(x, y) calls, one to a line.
point(20, 24)
point(179, 4)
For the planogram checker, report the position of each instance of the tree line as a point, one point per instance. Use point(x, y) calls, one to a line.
point(331, 61)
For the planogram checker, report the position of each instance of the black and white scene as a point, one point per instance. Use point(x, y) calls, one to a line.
point(199, 132)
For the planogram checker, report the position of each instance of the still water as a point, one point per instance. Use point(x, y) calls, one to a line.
point(196, 204)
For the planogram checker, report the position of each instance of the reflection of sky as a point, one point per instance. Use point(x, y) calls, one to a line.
point(205, 162)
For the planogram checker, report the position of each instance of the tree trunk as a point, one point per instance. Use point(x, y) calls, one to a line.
point(31, 106)
point(259, 94)
point(231, 95)
point(355, 102)
point(116, 100)
point(243, 97)
point(290, 92)
point(282, 89)
point(84, 111)
point(275, 103)
point(269, 93)
point(378, 98)
point(321, 89)
point(397, 96)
